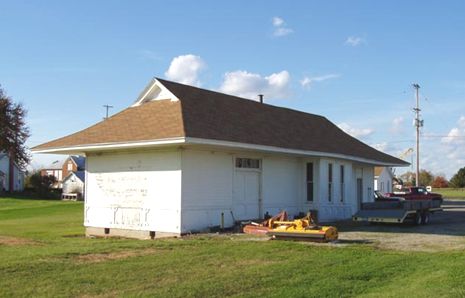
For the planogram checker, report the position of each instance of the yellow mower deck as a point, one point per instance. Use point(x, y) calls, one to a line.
point(303, 229)
point(279, 227)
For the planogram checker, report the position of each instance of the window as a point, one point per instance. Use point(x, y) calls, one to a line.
point(247, 163)
point(310, 181)
point(70, 166)
point(342, 183)
point(330, 182)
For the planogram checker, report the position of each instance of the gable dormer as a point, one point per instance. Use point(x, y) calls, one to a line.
point(154, 91)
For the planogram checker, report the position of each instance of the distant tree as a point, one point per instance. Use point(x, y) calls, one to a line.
point(41, 184)
point(458, 180)
point(440, 182)
point(425, 177)
point(13, 130)
point(408, 178)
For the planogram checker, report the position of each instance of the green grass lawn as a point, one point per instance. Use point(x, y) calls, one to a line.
point(43, 253)
point(451, 193)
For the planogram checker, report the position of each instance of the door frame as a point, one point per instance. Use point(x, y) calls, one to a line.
point(260, 178)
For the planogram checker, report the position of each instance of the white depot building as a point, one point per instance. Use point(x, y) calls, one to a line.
point(181, 158)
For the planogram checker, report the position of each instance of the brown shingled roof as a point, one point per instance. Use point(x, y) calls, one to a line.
point(211, 115)
point(153, 120)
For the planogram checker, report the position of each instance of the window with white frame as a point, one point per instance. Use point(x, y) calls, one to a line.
point(342, 181)
point(247, 163)
point(70, 166)
point(309, 180)
point(330, 182)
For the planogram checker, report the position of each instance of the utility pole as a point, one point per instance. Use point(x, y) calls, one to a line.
point(107, 107)
point(418, 124)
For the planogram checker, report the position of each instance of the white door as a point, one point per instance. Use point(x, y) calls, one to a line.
point(246, 194)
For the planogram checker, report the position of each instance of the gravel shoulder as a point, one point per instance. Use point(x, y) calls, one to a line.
point(445, 232)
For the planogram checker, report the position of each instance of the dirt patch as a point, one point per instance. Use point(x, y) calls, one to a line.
point(102, 257)
point(15, 241)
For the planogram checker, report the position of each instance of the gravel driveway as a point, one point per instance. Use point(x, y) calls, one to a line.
point(446, 231)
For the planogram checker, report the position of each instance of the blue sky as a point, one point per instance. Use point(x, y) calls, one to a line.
point(351, 61)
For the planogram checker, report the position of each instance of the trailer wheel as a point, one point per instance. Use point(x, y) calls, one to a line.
point(425, 218)
point(418, 218)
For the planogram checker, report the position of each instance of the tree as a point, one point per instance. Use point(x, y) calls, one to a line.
point(440, 182)
point(41, 184)
point(13, 130)
point(458, 180)
point(408, 178)
point(425, 177)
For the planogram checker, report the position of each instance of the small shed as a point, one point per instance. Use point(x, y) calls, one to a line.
point(384, 179)
point(73, 185)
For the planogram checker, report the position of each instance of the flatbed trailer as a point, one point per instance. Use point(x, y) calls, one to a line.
point(398, 210)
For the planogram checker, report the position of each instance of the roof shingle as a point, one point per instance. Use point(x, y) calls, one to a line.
point(211, 115)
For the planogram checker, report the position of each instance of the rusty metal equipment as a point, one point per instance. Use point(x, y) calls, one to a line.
point(279, 227)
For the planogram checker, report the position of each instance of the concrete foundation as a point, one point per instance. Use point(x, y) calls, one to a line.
point(125, 233)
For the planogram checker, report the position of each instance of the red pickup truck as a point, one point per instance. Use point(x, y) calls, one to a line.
point(415, 193)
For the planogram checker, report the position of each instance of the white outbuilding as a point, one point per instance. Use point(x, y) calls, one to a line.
point(11, 176)
point(182, 158)
point(384, 179)
point(73, 185)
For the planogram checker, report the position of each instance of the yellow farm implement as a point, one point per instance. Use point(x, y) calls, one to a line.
point(279, 227)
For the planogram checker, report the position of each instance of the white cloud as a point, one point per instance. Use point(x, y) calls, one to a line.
point(309, 81)
point(277, 22)
point(355, 132)
point(461, 121)
point(280, 27)
point(456, 135)
point(354, 41)
point(249, 85)
point(397, 124)
point(453, 136)
point(185, 69)
point(380, 146)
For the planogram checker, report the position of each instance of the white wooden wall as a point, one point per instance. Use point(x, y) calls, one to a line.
point(282, 185)
point(208, 187)
point(139, 191)
point(143, 191)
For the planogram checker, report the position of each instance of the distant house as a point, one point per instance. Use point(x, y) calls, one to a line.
point(61, 169)
point(11, 176)
point(384, 179)
point(55, 169)
point(73, 164)
point(182, 159)
point(73, 185)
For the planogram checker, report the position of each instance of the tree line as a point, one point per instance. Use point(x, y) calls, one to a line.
point(437, 181)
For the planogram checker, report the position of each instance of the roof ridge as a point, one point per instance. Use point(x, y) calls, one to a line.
point(235, 97)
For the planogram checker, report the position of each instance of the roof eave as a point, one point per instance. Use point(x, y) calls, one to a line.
point(265, 148)
point(82, 149)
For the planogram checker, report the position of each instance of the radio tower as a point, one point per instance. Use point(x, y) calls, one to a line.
point(418, 124)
